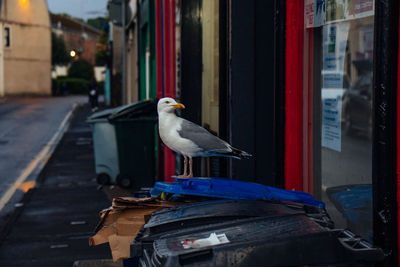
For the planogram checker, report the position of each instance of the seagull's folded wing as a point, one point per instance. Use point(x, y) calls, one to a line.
point(203, 138)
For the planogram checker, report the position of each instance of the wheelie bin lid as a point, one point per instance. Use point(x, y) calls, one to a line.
point(146, 107)
point(272, 239)
point(233, 189)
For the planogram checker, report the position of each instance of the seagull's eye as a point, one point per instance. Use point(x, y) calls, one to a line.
point(166, 102)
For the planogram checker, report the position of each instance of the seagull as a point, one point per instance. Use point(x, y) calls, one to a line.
point(189, 139)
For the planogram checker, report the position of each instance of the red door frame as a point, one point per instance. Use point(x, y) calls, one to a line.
point(293, 165)
point(308, 173)
point(398, 148)
point(165, 53)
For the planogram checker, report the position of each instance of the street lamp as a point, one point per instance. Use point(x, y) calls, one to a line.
point(72, 53)
point(24, 2)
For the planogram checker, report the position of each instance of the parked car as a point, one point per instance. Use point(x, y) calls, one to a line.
point(357, 106)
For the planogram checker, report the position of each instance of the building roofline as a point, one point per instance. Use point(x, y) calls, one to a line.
point(72, 23)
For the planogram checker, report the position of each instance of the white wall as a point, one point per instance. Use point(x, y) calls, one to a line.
point(100, 73)
point(59, 71)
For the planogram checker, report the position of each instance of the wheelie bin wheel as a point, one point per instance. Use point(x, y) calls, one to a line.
point(124, 181)
point(103, 179)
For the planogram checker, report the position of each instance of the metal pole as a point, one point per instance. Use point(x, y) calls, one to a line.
point(123, 87)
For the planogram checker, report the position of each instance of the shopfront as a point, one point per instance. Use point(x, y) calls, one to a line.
point(340, 112)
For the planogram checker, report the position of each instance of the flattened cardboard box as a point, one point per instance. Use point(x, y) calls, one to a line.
point(122, 221)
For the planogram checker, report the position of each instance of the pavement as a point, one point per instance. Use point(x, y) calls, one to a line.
point(52, 222)
point(30, 128)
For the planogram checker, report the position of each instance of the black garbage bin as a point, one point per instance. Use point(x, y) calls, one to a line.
point(125, 144)
point(135, 130)
point(248, 233)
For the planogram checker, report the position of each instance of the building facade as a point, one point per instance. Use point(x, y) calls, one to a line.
point(309, 87)
point(78, 36)
point(25, 48)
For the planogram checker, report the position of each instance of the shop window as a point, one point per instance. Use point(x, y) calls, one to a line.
point(7, 40)
point(338, 54)
point(210, 60)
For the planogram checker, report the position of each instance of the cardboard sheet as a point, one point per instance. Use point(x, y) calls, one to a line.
point(120, 223)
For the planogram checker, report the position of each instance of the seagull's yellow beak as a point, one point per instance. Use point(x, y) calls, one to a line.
point(179, 105)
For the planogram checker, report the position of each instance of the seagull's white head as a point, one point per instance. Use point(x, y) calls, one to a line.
point(168, 105)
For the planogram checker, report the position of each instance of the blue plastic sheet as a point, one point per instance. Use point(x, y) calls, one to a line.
point(232, 189)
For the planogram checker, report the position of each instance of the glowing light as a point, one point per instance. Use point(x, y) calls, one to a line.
point(72, 53)
point(24, 2)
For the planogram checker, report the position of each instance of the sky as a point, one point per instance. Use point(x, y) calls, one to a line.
point(79, 8)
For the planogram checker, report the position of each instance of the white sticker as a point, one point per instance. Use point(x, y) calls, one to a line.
point(212, 240)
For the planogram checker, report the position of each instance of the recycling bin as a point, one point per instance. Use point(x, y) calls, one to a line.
point(124, 140)
point(232, 189)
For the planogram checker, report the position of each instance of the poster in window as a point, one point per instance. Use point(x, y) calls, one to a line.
point(334, 46)
point(335, 10)
point(334, 37)
point(331, 123)
point(356, 9)
point(322, 12)
point(314, 13)
point(309, 13)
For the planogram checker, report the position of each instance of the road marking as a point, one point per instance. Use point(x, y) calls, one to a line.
point(41, 158)
point(27, 186)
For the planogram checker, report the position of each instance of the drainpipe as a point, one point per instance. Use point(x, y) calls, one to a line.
point(123, 53)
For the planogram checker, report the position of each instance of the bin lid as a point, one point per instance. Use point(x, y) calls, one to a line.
point(232, 189)
point(146, 107)
point(104, 114)
point(270, 239)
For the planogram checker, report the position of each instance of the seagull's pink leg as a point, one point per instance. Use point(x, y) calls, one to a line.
point(185, 166)
point(190, 168)
point(184, 175)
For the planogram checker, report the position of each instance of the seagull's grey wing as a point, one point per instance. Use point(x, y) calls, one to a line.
point(202, 138)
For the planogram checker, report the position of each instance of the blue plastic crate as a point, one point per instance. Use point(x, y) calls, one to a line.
point(232, 189)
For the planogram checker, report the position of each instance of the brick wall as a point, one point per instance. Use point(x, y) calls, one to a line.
point(83, 43)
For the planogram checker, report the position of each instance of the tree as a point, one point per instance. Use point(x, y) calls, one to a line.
point(81, 69)
point(101, 54)
point(101, 57)
point(59, 53)
point(97, 23)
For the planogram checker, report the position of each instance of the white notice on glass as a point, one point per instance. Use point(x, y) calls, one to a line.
point(331, 123)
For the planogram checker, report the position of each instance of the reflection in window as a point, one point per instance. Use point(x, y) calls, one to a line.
point(341, 86)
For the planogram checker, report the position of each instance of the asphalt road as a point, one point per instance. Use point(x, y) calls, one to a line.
point(26, 127)
point(54, 221)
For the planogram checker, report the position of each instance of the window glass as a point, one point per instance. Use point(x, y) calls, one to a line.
point(338, 85)
point(210, 61)
point(210, 77)
point(7, 37)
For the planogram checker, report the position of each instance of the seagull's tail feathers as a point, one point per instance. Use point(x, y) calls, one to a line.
point(229, 152)
point(240, 153)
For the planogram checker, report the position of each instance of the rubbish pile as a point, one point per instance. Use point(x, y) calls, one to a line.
point(237, 224)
